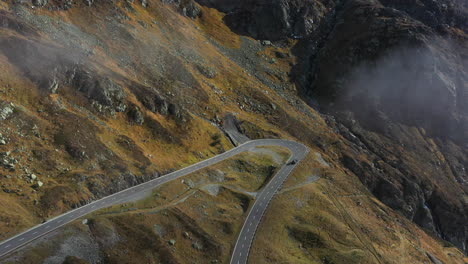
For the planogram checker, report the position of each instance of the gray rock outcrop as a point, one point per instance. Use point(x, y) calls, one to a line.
point(102, 90)
point(187, 8)
point(272, 19)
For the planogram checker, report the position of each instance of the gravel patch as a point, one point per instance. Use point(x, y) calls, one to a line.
point(80, 245)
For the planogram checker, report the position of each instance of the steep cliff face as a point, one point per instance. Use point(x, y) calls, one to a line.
point(396, 79)
point(392, 75)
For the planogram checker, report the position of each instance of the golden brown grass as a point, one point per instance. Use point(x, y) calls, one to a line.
point(212, 23)
point(329, 216)
point(15, 216)
point(212, 221)
point(335, 220)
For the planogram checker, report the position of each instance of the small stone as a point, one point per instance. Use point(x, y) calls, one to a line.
point(33, 176)
point(10, 166)
point(85, 221)
point(189, 183)
point(208, 72)
point(172, 242)
point(39, 184)
point(186, 235)
point(196, 245)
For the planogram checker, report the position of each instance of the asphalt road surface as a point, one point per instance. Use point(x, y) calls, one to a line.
point(241, 251)
point(242, 247)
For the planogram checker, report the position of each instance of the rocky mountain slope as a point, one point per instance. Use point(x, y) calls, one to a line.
point(392, 76)
point(96, 96)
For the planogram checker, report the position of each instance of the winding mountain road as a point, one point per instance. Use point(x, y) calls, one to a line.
point(244, 242)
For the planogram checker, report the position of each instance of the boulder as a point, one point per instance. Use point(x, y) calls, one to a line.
point(66, 4)
point(6, 110)
point(160, 105)
point(53, 85)
point(3, 140)
point(40, 3)
point(136, 116)
point(189, 183)
point(187, 7)
point(190, 9)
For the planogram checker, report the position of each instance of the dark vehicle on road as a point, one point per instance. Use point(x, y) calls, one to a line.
point(292, 162)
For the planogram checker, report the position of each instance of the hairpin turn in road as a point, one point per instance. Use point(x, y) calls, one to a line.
point(244, 242)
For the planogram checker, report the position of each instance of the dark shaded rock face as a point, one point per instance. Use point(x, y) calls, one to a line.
point(152, 99)
point(393, 74)
point(436, 14)
point(395, 65)
point(272, 19)
point(102, 90)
